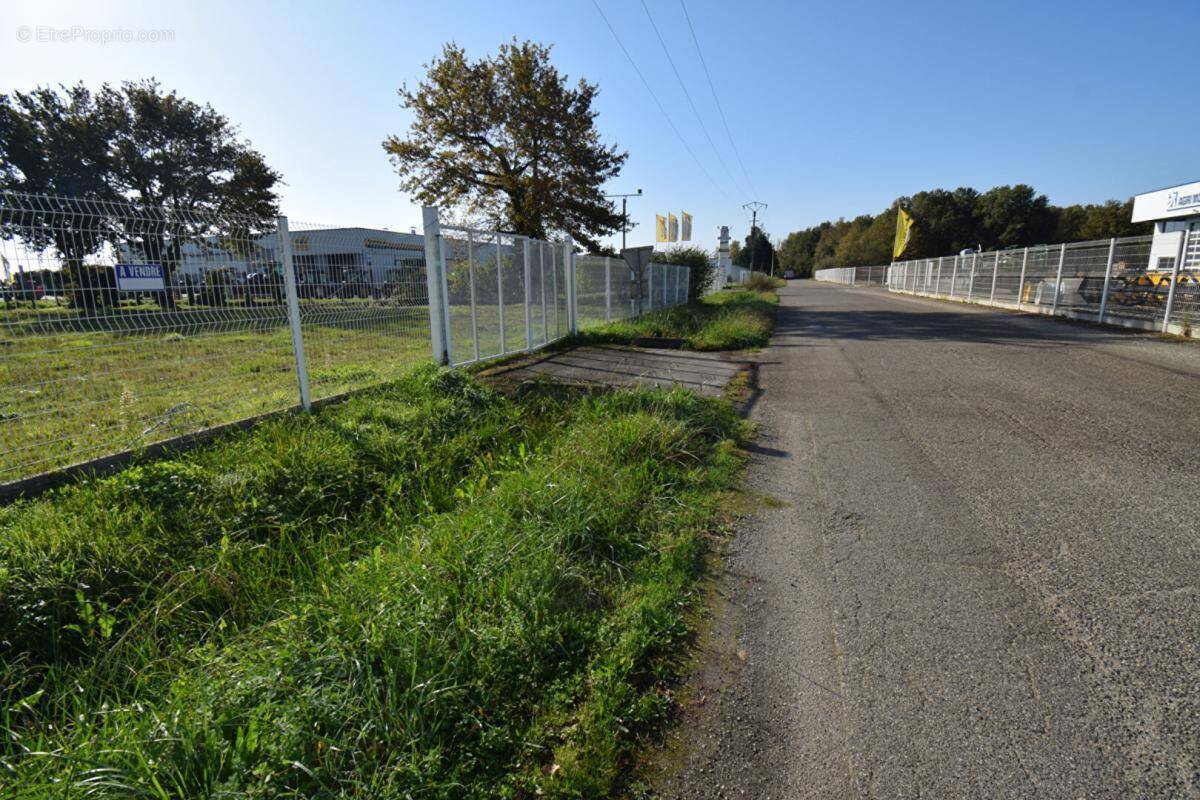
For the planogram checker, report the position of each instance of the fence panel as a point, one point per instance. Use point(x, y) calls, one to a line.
point(363, 305)
point(1082, 279)
point(123, 325)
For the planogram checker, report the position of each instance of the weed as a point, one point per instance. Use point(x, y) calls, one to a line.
point(428, 590)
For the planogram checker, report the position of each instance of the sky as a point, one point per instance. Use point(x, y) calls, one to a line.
point(834, 108)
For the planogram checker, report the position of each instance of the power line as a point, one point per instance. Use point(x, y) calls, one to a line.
point(687, 94)
point(713, 89)
point(658, 103)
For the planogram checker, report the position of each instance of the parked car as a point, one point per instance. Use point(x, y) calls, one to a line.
point(788, 274)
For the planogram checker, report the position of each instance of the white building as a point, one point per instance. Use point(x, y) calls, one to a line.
point(1175, 212)
point(322, 256)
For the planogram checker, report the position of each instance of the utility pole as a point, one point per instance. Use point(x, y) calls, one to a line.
point(624, 213)
point(754, 206)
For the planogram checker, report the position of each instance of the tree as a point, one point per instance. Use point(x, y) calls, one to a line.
point(170, 153)
point(1012, 216)
point(55, 144)
point(948, 222)
point(1112, 219)
point(507, 138)
point(756, 253)
point(797, 250)
point(701, 268)
point(184, 161)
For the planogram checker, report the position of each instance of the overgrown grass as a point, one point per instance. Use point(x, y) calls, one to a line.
point(727, 320)
point(762, 282)
point(430, 590)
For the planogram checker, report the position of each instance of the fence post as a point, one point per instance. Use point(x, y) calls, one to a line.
point(542, 272)
point(971, 284)
point(953, 276)
point(569, 266)
point(500, 293)
point(1183, 237)
point(1021, 282)
point(607, 289)
point(433, 283)
point(293, 311)
point(995, 274)
point(471, 280)
point(1062, 256)
point(1112, 249)
point(528, 298)
point(937, 287)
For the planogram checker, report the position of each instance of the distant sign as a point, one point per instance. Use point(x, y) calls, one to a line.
point(1177, 201)
point(141, 278)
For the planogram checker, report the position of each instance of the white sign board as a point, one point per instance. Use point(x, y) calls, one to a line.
point(141, 278)
point(1177, 201)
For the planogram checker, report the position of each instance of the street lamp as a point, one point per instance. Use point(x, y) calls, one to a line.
point(624, 213)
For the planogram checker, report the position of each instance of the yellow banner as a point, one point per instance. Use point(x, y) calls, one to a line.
point(687, 226)
point(904, 225)
point(672, 227)
point(660, 228)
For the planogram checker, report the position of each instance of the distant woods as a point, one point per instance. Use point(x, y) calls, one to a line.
point(950, 221)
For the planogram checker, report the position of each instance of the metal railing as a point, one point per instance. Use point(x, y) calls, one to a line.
point(123, 326)
point(1110, 281)
point(853, 276)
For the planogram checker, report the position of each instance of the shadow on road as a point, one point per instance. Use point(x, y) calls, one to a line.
point(995, 327)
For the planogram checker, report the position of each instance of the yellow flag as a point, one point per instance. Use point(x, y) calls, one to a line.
point(904, 225)
point(660, 225)
point(672, 227)
point(687, 226)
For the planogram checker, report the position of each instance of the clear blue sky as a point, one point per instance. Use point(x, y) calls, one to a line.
point(836, 107)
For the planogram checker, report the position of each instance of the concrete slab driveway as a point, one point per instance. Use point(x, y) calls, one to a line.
point(984, 581)
point(704, 373)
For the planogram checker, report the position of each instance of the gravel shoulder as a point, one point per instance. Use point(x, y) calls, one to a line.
point(981, 579)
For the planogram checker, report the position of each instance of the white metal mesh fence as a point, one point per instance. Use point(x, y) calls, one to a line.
point(1109, 280)
point(123, 326)
point(362, 300)
point(607, 290)
point(505, 293)
point(853, 276)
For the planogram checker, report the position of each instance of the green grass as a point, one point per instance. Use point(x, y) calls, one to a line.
point(425, 591)
point(727, 320)
point(69, 394)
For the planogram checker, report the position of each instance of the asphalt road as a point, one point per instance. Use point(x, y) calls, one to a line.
point(982, 578)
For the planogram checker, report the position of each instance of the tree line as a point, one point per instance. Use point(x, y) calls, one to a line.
point(949, 221)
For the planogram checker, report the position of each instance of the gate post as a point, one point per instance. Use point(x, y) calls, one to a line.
point(569, 265)
point(528, 297)
point(293, 310)
point(433, 283)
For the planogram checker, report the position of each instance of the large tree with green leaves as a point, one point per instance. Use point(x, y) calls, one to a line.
point(757, 251)
point(136, 143)
point(55, 144)
point(507, 138)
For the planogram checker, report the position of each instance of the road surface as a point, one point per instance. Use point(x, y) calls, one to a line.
point(982, 578)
